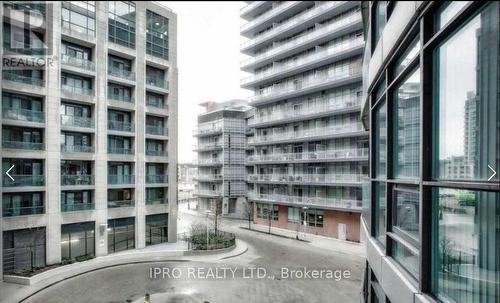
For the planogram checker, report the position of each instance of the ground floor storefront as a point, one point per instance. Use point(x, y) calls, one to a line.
point(330, 223)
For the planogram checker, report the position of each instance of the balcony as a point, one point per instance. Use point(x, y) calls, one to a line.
point(156, 153)
point(121, 203)
point(121, 179)
point(22, 79)
point(77, 62)
point(75, 90)
point(321, 155)
point(156, 179)
point(23, 145)
point(23, 115)
point(120, 150)
point(27, 8)
point(280, 8)
point(310, 134)
point(75, 180)
point(77, 148)
point(322, 106)
point(318, 58)
point(206, 130)
point(156, 201)
point(156, 130)
point(24, 180)
point(207, 146)
point(156, 82)
point(308, 85)
point(341, 26)
point(119, 97)
point(153, 102)
point(208, 193)
point(321, 179)
point(120, 126)
point(209, 161)
point(208, 178)
point(322, 202)
point(77, 207)
point(75, 121)
point(292, 22)
point(22, 211)
point(121, 73)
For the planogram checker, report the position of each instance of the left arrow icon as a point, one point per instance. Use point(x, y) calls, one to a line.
point(7, 173)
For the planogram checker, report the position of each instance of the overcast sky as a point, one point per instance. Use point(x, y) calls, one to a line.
point(208, 55)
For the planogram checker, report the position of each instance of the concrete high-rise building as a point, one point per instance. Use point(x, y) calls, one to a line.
point(221, 135)
point(90, 136)
point(432, 215)
point(310, 149)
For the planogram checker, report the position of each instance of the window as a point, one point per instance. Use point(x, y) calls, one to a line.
point(120, 92)
point(406, 257)
point(294, 215)
point(379, 16)
point(380, 215)
point(76, 51)
point(76, 83)
point(267, 211)
point(155, 100)
point(406, 127)
point(313, 217)
point(121, 234)
point(156, 229)
point(28, 247)
point(466, 129)
point(25, 138)
point(121, 23)
point(155, 76)
point(157, 35)
point(407, 57)
point(380, 137)
point(466, 245)
point(406, 211)
point(22, 204)
point(79, 16)
point(76, 200)
point(77, 241)
point(447, 12)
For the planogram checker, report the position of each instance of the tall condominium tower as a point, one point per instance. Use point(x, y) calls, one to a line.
point(310, 149)
point(221, 135)
point(89, 134)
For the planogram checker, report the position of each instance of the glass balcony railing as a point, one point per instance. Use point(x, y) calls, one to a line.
point(318, 79)
point(156, 130)
point(26, 49)
point(305, 38)
point(77, 207)
point(77, 90)
point(152, 179)
point(23, 114)
point(153, 201)
point(22, 211)
point(77, 180)
point(75, 121)
point(120, 126)
point(321, 105)
point(77, 148)
point(22, 79)
point(310, 58)
point(207, 129)
point(207, 146)
point(209, 161)
point(332, 154)
point(121, 203)
point(206, 177)
point(307, 178)
point(310, 133)
point(121, 179)
point(121, 73)
point(153, 102)
point(77, 62)
point(291, 22)
point(156, 82)
point(207, 192)
point(23, 145)
point(120, 97)
point(28, 7)
point(156, 153)
point(281, 7)
point(120, 150)
point(342, 203)
point(24, 180)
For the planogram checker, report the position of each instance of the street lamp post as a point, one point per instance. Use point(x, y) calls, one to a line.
point(208, 212)
point(305, 221)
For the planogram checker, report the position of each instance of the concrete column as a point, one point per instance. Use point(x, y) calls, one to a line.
point(101, 129)
point(140, 118)
point(2, 173)
point(52, 137)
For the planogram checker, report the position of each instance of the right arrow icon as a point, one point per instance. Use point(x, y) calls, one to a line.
point(494, 173)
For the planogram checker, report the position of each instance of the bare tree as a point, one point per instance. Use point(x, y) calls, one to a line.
point(248, 213)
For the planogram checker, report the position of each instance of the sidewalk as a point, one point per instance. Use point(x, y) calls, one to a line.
point(23, 287)
point(346, 247)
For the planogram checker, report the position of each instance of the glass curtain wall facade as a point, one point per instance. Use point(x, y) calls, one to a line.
point(434, 118)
